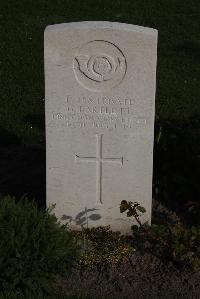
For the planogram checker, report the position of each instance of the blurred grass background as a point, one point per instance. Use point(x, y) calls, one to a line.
point(22, 130)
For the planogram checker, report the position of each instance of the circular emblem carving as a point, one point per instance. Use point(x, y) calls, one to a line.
point(99, 65)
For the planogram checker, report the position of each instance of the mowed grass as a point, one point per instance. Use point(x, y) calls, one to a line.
point(21, 55)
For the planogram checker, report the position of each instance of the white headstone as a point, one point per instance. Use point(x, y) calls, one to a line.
point(100, 82)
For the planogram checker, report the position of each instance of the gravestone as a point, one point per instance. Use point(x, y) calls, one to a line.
point(100, 82)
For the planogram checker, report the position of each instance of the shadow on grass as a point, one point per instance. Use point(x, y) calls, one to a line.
point(22, 168)
point(177, 167)
point(190, 48)
point(36, 120)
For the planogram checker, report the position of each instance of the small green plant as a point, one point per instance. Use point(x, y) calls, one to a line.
point(34, 247)
point(133, 210)
point(178, 244)
point(186, 244)
point(104, 248)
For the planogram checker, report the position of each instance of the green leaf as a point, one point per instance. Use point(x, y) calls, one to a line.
point(129, 213)
point(135, 228)
point(141, 209)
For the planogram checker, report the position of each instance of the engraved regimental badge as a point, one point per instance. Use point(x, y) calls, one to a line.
point(99, 65)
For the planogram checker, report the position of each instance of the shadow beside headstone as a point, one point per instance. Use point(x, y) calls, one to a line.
point(22, 168)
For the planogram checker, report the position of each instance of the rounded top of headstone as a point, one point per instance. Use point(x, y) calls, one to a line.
point(102, 25)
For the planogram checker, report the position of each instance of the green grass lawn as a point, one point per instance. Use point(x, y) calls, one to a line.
point(21, 55)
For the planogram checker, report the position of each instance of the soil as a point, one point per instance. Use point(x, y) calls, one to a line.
point(144, 276)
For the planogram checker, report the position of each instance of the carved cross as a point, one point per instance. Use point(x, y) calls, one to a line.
point(99, 160)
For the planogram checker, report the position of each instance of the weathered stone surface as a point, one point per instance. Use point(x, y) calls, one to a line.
point(100, 97)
